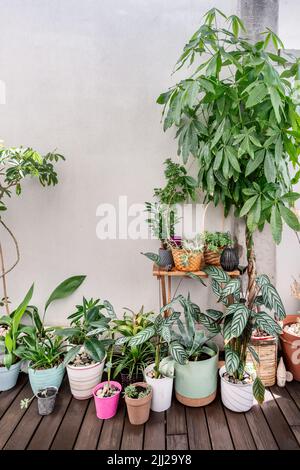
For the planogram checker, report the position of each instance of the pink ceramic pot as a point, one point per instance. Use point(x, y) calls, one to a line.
point(107, 407)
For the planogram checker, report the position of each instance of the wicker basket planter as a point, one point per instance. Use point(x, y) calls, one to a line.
point(266, 350)
point(212, 258)
point(187, 261)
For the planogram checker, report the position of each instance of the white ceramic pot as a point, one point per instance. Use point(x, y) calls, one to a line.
point(236, 397)
point(84, 378)
point(162, 391)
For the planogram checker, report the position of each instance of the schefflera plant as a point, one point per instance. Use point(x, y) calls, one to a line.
point(236, 114)
point(241, 317)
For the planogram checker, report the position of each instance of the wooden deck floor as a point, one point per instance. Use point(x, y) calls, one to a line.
point(73, 424)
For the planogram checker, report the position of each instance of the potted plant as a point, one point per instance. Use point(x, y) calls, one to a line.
point(107, 394)
point(130, 361)
point(189, 257)
point(46, 400)
point(12, 329)
point(138, 398)
point(241, 318)
point(162, 215)
point(41, 347)
point(196, 358)
point(290, 342)
point(88, 343)
point(214, 244)
point(157, 375)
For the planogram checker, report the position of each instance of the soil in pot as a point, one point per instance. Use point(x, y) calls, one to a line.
point(106, 399)
point(139, 408)
point(46, 400)
point(290, 341)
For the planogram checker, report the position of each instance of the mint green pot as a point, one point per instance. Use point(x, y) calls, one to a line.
point(42, 378)
point(196, 382)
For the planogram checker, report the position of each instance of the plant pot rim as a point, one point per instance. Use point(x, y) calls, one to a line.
point(289, 320)
point(69, 366)
point(112, 382)
point(48, 368)
point(150, 367)
point(2, 366)
point(221, 372)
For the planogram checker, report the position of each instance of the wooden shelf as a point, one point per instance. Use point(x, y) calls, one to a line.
point(157, 271)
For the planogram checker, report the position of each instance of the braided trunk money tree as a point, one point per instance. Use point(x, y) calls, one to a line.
point(236, 115)
point(15, 165)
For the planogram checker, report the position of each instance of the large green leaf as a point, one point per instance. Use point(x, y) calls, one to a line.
point(65, 289)
point(248, 205)
point(252, 165)
point(266, 323)
point(217, 274)
point(232, 287)
point(289, 217)
point(269, 167)
point(209, 323)
point(272, 298)
point(237, 321)
point(232, 360)
point(71, 354)
point(178, 352)
point(95, 349)
point(259, 390)
point(142, 336)
point(257, 94)
point(276, 224)
point(19, 312)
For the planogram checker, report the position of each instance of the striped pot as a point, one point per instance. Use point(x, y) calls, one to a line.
point(236, 397)
point(43, 378)
point(84, 378)
point(9, 377)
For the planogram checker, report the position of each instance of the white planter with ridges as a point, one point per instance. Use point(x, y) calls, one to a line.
point(236, 397)
point(162, 391)
point(84, 378)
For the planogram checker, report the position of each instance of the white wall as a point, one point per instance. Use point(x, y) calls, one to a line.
point(84, 77)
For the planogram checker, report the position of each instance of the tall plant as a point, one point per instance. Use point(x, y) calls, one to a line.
point(15, 165)
point(236, 114)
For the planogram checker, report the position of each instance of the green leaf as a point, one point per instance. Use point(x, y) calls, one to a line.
point(291, 197)
point(259, 390)
point(19, 312)
point(142, 336)
point(269, 168)
point(231, 287)
point(276, 224)
point(262, 280)
point(165, 334)
point(217, 274)
point(276, 102)
point(248, 205)
point(266, 323)
point(214, 314)
point(252, 165)
point(95, 349)
point(257, 95)
point(289, 217)
point(238, 320)
point(71, 354)
point(197, 278)
point(233, 159)
point(178, 352)
point(253, 353)
point(164, 97)
point(232, 360)
point(65, 289)
point(153, 257)
point(272, 298)
point(218, 134)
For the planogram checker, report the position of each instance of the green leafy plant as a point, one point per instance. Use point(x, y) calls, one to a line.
point(88, 323)
point(241, 318)
point(38, 344)
point(13, 330)
point(137, 391)
point(215, 240)
point(15, 165)
point(236, 114)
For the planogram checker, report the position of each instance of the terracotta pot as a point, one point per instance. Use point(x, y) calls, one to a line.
point(291, 348)
point(138, 409)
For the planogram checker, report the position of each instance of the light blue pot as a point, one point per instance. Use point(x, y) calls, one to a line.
point(42, 378)
point(9, 377)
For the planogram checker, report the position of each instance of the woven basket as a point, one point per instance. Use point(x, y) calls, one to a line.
point(267, 353)
point(189, 264)
point(212, 258)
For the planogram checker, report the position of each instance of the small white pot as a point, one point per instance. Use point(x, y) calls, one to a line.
point(162, 391)
point(84, 378)
point(236, 397)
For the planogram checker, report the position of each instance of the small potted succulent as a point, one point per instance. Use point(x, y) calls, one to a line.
point(41, 347)
point(189, 257)
point(46, 400)
point(214, 244)
point(159, 375)
point(138, 398)
point(88, 343)
point(11, 331)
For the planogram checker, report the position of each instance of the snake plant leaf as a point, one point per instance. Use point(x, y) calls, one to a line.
point(232, 360)
point(178, 352)
point(259, 390)
point(65, 288)
point(272, 299)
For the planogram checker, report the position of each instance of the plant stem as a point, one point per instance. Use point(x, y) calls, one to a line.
point(157, 359)
point(251, 269)
point(5, 296)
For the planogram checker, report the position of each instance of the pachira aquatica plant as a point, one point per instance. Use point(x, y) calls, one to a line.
point(13, 330)
point(215, 240)
point(236, 114)
point(38, 343)
point(90, 328)
point(241, 318)
point(15, 165)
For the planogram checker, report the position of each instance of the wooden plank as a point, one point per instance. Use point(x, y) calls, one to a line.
point(7, 397)
point(133, 436)
point(294, 390)
point(176, 422)
point(90, 430)
point(155, 438)
point(49, 425)
point(69, 428)
point(25, 429)
point(260, 430)
point(239, 430)
point(111, 434)
point(280, 429)
point(198, 434)
point(157, 271)
point(13, 415)
point(217, 425)
point(288, 408)
point(177, 442)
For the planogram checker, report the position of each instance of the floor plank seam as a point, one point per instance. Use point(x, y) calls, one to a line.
point(58, 427)
point(251, 433)
point(207, 427)
point(290, 426)
point(228, 427)
point(79, 428)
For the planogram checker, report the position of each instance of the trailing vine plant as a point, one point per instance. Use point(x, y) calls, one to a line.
point(236, 114)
